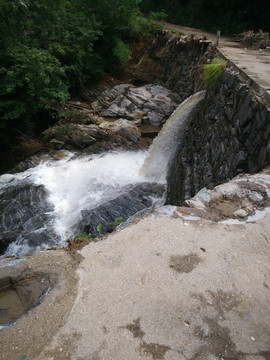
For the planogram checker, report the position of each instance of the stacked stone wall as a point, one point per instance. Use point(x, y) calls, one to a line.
point(226, 135)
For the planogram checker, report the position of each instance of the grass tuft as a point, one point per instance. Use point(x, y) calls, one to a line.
point(212, 73)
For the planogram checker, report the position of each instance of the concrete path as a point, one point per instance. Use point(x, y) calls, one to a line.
point(169, 288)
point(253, 65)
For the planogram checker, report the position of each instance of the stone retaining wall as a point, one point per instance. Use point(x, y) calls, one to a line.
point(169, 59)
point(226, 135)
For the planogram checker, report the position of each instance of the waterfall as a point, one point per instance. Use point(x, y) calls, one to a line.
point(85, 183)
point(45, 205)
point(162, 148)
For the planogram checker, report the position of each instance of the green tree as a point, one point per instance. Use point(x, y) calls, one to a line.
point(32, 80)
point(49, 48)
point(228, 16)
point(46, 48)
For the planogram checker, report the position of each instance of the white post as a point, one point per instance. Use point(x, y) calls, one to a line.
point(218, 37)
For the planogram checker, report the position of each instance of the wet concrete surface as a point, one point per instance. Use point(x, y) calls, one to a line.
point(169, 288)
point(18, 297)
point(27, 335)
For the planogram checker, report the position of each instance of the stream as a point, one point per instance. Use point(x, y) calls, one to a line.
point(44, 206)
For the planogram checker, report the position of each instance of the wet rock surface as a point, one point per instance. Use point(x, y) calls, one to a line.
point(131, 200)
point(28, 217)
point(25, 215)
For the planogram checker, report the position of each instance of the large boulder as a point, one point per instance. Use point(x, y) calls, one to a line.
point(76, 135)
point(124, 128)
point(155, 102)
point(132, 199)
point(25, 216)
point(108, 96)
point(240, 198)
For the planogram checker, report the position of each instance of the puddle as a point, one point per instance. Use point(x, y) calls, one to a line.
point(17, 298)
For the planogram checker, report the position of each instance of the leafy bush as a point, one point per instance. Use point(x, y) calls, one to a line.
point(158, 15)
point(32, 79)
point(212, 73)
point(83, 236)
point(52, 47)
point(121, 50)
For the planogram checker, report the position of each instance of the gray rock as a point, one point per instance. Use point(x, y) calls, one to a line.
point(155, 101)
point(129, 202)
point(108, 96)
point(138, 96)
point(76, 135)
point(121, 107)
point(25, 212)
point(155, 118)
point(236, 199)
point(57, 144)
point(124, 128)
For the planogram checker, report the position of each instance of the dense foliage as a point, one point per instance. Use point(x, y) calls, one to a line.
point(49, 47)
point(228, 16)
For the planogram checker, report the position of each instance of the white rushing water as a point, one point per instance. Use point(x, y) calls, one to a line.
point(75, 184)
point(85, 183)
point(156, 162)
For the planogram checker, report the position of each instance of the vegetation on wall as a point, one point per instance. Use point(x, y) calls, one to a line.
point(212, 73)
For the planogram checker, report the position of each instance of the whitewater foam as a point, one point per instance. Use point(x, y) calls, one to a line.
point(84, 183)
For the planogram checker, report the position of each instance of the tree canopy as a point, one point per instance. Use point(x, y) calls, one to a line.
point(49, 47)
point(229, 16)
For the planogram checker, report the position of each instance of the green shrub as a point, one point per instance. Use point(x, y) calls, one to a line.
point(118, 221)
point(99, 229)
point(158, 15)
point(212, 73)
point(121, 51)
point(83, 235)
point(137, 25)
